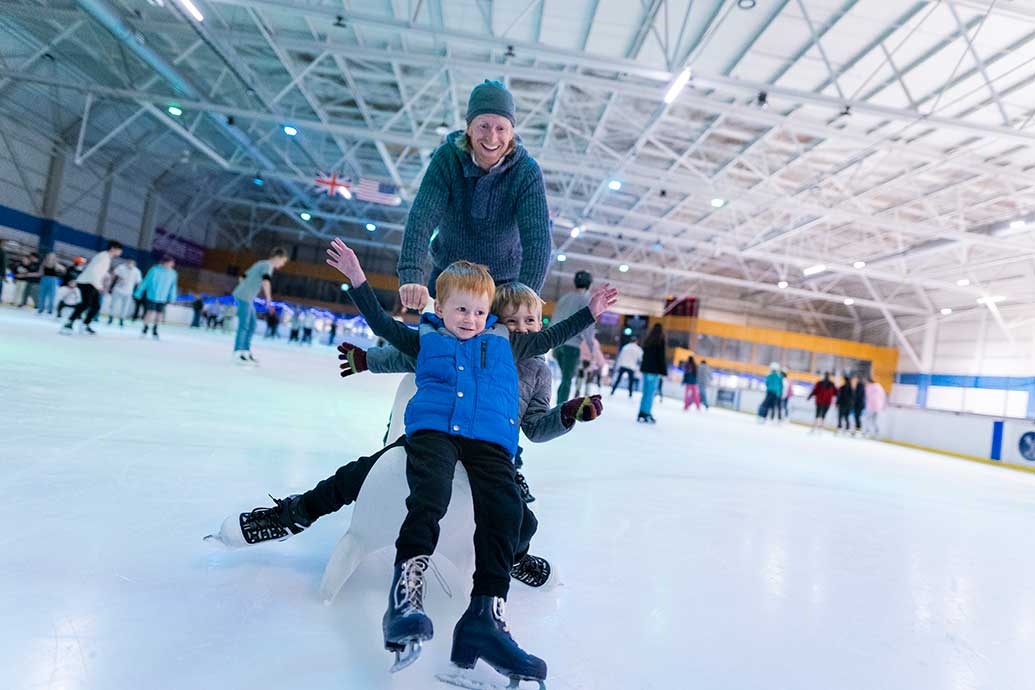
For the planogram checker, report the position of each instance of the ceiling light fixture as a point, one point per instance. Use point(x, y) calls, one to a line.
point(813, 270)
point(624, 268)
point(991, 299)
point(290, 131)
point(762, 101)
point(718, 202)
point(849, 301)
point(174, 110)
point(614, 185)
point(562, 258)
point(1018, 225)
point(576, 231)
point(192, 9)
point(678, 85)
point(963, 282)
point(782, 284)
point(746, 4)
point(859, 264)
point(306, 216)
point(371, 227)
point(946, 311)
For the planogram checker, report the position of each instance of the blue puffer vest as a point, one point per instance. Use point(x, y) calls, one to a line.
point(466, 388)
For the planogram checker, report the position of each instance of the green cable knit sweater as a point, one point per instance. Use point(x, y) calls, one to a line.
point(498, 218)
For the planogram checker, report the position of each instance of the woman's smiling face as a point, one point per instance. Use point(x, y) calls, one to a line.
point(490, 137)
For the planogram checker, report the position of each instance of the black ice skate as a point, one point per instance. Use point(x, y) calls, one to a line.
point(526, 495)
point(405, 625)
point(287, 518)
point(481, 633)
point(532, 571)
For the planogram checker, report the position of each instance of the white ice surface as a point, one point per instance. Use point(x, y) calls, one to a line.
point(704, 552)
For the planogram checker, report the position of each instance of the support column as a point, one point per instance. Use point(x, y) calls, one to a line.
point(927, 351)
point(102, 215)
point(147, 230)
point(51, 194)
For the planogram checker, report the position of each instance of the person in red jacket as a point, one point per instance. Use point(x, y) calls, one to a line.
point(824, 392)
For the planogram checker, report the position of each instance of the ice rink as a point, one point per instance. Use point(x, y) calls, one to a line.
point(706, 552)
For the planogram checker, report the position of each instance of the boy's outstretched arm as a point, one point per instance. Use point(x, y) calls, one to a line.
point(378, 360)
point(525, 345)
point(341, 257)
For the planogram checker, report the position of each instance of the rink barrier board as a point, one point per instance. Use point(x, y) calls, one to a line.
point(978, 431)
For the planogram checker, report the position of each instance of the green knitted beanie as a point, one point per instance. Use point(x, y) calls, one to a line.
point(491, 98)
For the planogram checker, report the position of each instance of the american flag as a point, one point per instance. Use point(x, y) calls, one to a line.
point(376, 192)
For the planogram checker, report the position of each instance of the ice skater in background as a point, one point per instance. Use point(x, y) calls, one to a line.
point(876, 401)
point(692, 392)
point(49, 270)
point(127, 278)
point(465, 410)
point(90, 282)
point(785, 397)
point(627, 364)
point(653, 366)
point(824, 392)
point(259, 277)
point(771, 406)
point(858, 402)
point(308, 322)
point(704, 379)
point(845, 402)
point(569, 354)
point(157, 289)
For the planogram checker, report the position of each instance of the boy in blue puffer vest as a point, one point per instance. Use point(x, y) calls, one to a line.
point(465, 409)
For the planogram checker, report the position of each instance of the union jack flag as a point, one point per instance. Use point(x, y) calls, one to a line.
point(376, 192)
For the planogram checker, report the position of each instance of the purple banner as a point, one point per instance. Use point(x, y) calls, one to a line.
point(185, 252)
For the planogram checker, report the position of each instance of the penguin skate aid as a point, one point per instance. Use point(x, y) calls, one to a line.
point(465, 410)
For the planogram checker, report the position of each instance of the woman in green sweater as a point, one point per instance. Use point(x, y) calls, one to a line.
point(485, 196)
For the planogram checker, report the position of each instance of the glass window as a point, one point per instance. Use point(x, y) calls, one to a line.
point(797, 360)
point(709, 346)
point(826, 362)
point(764, 354)
point(738, 350)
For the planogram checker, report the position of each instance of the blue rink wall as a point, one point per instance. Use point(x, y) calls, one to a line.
point(1004, 440)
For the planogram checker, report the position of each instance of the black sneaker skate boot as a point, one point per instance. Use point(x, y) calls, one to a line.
point(287, 518)
point(405, 625)
point(481, 633)
point(526, 495)
point(532, 571)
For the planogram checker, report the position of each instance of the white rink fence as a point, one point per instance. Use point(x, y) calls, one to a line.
point(1008, 441)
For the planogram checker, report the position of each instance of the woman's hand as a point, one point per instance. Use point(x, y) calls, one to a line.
point(413, 296)
point(602, 298)
point(345, 260)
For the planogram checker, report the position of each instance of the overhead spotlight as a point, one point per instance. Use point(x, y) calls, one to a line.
point(562, 258)
point(746, 4)
point(345, 287)
point(663, 193)
point(963, 282)
point(859, 264)
point(442, 129)
point(627, 331)
point(290, 131)
point(718, 202)
point(174, 110)
point(306, 216)
point(576, 231)
point(371, 227)
point(510, 52)
point(614, 185)
point(849, 301)
point(258, 181)
point(192, 10)
point(624, 268)
point(946, 311)
point(762, 101)
point(339, 22)
point(782, 285)
point(813, 270)
point(677, 85)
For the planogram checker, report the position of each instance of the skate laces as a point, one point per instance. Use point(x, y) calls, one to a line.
point(498, 611)
point(412, 586)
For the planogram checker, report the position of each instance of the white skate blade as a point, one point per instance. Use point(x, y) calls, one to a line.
point(464, 678)
point(409, 654)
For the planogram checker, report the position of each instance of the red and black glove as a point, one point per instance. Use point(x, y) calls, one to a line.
point(353, 359)
point(584, 409)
